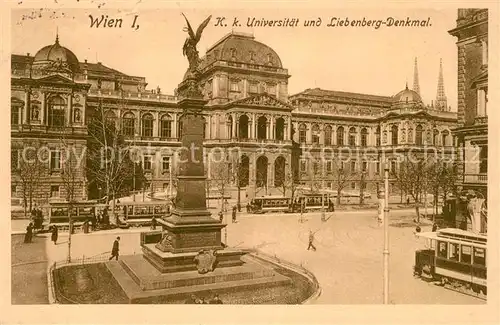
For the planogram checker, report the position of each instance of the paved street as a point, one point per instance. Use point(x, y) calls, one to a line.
point(347, 263)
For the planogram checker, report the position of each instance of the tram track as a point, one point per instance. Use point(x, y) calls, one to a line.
point(484, 298)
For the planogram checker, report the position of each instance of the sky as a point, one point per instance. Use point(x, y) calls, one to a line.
point(355, 59)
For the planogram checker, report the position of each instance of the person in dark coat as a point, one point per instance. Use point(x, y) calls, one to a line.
point(153, 223)
point(116, 249)
point(55, 234)
point(29, 233)
point(434, 227)
point(234, 214)
point(221, 216)
point(216, 300)
point(191, 300)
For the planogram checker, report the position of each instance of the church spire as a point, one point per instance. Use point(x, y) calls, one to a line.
point(441, 102)
point(57, 35)
point(416, 86)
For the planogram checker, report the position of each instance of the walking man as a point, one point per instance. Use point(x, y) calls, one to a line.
point(311, 240)
point(234, 214)
point(116, 249)
point(55, 234)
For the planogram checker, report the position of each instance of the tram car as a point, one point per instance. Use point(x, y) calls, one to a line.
point(313, 202)
point(269, 204)
point(140, 214)
point(454, 257)
point(58, 214)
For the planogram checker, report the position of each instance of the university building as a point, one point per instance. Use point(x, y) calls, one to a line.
point(471, 133)
point(267, 135)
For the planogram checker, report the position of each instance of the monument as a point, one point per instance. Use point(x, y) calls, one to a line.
point(187, 256)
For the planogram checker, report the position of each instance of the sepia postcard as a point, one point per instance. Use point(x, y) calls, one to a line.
point(294, 162)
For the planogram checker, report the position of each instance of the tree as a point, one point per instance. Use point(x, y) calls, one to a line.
point(220, 178)
point(341, 176)
point(109, 163)
point(70, 169)
point(241, 173)
point(289, 184)
point(31, 170)
point(412, 176)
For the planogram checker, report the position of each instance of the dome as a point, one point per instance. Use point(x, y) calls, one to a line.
point(407, 96)
point(242, 48)
point(57, 53)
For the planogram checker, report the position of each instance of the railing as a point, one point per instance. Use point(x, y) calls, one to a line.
point(246, 66)
point(147, 96)
point(481, 120)
point(476, 178)
point(49, 129)
point(35, 74)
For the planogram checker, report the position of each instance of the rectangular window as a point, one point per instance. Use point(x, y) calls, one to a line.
point(479, 256)
point(442, 249)
point(483, 159)
point(466, 255)
point(454, 252)
point(165, 164)
point(329, 184)
point(315, 138)
point(148, 164)
point(353, 185)
point(353, 166)
point(166, 129)
point(303, 166)
point(352, 139)
point(329, 166)
point(393, 167)
point(302, 136)
point(365, 166)
point(14, 159)
point(54, 191)
point(234, 85)
point(253, 88)
point(315, 167)
point(55, 159)
point(271, 89)
point(377, 171)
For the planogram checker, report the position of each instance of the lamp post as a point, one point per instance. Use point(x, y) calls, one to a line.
point(386, 234)
point(135, 135)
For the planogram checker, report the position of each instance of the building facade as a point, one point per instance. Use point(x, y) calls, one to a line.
point(472, 131)
point(265, 136)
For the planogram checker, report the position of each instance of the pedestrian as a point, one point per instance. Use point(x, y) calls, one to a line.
point(93, 222)
point(216, 300)
point(418, 229)
point(116, 249)
point(29, 233)
point(55, 234)
point(86, 226)
point(311, 240)
point(191, 300)
point(153, 223)
point(221, 216)
point(434, 227)
point(234, 214)
point(407, 200)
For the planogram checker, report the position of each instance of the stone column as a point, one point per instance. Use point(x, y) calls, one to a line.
point(209, 127)
point(43, 114)
point(270, 169)
point(233, 126)
point(69, 111)
point(288, 129)
point(26, 110)
point(271, 127)
point(308, 133)
point(174, 127)
point(155, 124)
point(322, 134)
point(252, 129)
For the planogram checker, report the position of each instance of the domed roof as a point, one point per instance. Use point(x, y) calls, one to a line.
point(407, 96)
point(57, 53)
point(243, 48)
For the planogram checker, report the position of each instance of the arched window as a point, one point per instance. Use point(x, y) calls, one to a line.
point(328, 135)
point(340, 136)
point(302, 133)
point(77, 115)
point(394, 135)
point(128, 126)
point(445, 135)
point(418, 135)
point(315, 134)
point(352, 136)
point(147, 125)
point(110, 119)
point(56, 111)
point(364, 137)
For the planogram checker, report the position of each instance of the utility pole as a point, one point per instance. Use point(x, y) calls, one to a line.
point(386, 234)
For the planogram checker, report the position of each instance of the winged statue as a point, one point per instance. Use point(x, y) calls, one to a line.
point(189, 48)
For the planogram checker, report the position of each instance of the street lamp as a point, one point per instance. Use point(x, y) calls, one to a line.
point(135, 135)
point(386, 234)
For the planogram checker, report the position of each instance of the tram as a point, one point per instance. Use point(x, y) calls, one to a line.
point(141, 213)
point(58, 213)
point(455, 258)
point(313, 202)
point(269, 204)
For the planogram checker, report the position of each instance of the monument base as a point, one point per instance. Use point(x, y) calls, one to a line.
point(167, 262)
point(143, 283)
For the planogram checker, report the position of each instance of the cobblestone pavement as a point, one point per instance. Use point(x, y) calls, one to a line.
point(347, 263)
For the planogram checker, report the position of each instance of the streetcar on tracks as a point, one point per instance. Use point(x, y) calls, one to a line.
point(269, 204)
point(141, 213)
point(456, 258)
point(57, 213)
point(302, 202)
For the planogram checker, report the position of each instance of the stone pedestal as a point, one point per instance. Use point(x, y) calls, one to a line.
point(190, 227)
